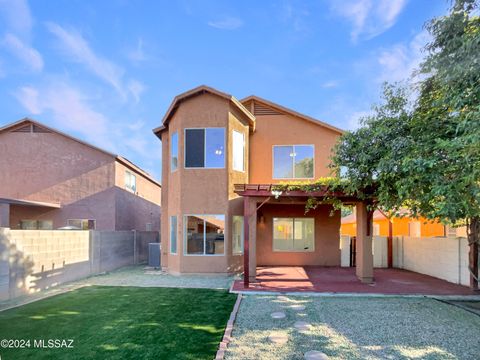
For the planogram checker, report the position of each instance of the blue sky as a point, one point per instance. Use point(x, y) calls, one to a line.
point(106, 71)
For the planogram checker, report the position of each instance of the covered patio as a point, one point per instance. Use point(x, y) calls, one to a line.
point(257, 195)
point(337, 280)
point(362, 278)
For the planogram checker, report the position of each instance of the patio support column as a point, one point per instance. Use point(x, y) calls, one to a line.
point(249, 241)
point(364, 256)
point(5, 215)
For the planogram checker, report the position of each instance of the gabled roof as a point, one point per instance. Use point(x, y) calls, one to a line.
point(288, 111)
point(21, 126)
point(202, 89)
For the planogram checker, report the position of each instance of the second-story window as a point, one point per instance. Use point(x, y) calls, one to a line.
point(205, 148)
point(130, 181)
point(174, 151)
point(293, 161)
point(238, 140)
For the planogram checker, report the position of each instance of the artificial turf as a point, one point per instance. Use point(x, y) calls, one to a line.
point(120, 323)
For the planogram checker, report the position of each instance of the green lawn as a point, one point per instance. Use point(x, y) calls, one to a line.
point(121, 323)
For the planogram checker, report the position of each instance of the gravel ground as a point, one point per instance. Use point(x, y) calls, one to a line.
point(355, 328)
point(131, 276)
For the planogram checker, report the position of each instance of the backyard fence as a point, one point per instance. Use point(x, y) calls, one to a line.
point(379, 249)
point(442, 257)
point(32, 260)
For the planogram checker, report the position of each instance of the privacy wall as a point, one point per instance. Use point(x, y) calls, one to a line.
point(33, 260)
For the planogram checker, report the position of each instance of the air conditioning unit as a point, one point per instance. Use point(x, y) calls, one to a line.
point(154, 255)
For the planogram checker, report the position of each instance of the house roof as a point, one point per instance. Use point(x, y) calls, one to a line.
point(26, 121)
point(202, 89)
point(291, 112)
point(29, 203)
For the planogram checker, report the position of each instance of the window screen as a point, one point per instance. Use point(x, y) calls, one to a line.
point(194, 148)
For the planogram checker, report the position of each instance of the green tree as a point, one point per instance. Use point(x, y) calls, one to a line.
point(425, 155)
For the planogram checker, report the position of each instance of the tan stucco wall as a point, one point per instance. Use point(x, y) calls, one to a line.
point(200, 191)
point(146, 189)
point(327, 237)
point(50, 167)
point(287, 130)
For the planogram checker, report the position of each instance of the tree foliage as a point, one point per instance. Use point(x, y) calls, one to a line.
point(424, 154)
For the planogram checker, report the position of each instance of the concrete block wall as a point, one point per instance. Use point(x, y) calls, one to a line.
point(442, 257)
point(32, 260)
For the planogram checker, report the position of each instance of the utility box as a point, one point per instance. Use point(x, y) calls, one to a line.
point(154, 255)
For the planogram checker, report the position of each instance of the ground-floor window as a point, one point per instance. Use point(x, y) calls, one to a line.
point(204, 234)
point(237, 235)
point(82, 224)
point(173, 234)
point(293, 234)
point(36, 224)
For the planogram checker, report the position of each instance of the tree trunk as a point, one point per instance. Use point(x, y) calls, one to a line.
point(473, 232)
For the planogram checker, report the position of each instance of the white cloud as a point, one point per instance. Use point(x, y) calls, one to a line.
point(136, 88)
point(78, 48)
point(353, 120)
point(27, 54)
point(226, 23)
point(17, 15)
point(369, 18)
point(330, 84)
point(137, 55)
point(398, 62)
point(69, 108)
point(28, 97)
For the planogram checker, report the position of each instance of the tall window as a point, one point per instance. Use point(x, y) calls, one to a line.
point(82, 224)
point(293, 161)
point(130, 181)
point(204, 234)
point(174, 151)
point(205, 148)
point(237, 235)
point(238, 151)
point(173, 234)
point(293, 234)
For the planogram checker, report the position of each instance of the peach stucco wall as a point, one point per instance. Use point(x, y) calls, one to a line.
point(50, 167)
point(327, 237)
point(210, 191)
point(287, 130)
point(200, 191)
point(400, 227)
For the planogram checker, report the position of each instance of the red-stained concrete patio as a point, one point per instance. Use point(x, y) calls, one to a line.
point(343, 280)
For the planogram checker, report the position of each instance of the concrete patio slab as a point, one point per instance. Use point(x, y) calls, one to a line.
point(336, 280)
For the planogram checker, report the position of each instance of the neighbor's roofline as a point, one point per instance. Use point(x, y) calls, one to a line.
point(292, 112)
point(201, 89)
point(118, 158)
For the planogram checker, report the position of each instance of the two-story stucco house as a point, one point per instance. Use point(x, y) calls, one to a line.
point(51, 180)
point(220, 157)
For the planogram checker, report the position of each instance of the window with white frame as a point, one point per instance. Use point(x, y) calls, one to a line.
point(238, 140)
point(204, 234)
point(173, 234)
point(205, 148)
point(294, 234)
point(82, 224)
point(237, 235)
point(130, 181)
point(174, 151)
point(293, 161)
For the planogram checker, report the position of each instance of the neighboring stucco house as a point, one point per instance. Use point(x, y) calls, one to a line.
point(220, 158)
point(400, 226)
point(51, 180)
